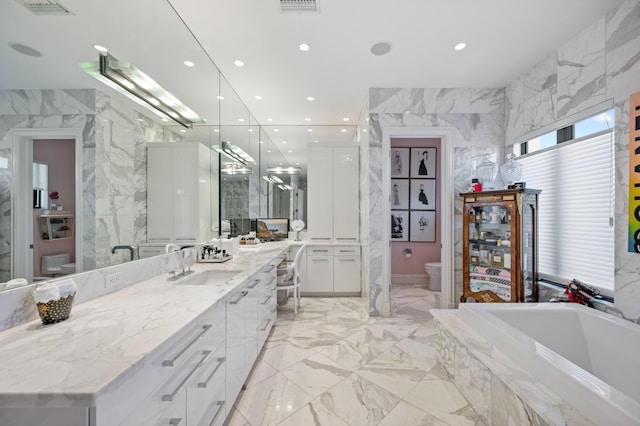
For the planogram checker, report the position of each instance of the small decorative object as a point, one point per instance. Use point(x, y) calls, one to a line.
point(54, 300)
point(487, 171)
point(510, 171)
point(297, 226)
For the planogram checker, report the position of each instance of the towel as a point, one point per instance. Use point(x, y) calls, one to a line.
point(67, 287)
point(46, 292)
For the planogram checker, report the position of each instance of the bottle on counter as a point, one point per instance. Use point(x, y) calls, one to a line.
point(477, 186)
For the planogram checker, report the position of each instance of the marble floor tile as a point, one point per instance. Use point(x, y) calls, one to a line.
point(271, 401)
point(332, 364)
point(316, 374)
point(358, 401)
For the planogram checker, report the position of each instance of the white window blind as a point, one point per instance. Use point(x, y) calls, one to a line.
point(40, 176)
point(576, 236)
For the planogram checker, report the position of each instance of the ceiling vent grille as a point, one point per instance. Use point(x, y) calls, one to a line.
point(299, 5)
point(45, 7)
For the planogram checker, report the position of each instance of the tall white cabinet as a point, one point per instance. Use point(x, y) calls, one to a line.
point(180, 181)
point(333, 259)
point(333, 206)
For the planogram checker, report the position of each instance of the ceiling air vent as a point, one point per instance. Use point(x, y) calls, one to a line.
point(45, 7)
point(299, 5)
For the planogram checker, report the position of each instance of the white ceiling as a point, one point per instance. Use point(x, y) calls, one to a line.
point(504, 39)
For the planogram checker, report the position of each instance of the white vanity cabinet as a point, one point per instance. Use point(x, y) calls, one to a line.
point(332, 270)
point(267, 301)
point(179, 188)
point(333, 185)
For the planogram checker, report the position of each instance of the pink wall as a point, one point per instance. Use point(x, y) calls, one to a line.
point(59, 154)
point(421, 252)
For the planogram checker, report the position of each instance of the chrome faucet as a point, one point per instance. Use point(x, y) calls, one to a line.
point(171, 247)
point(132, 250)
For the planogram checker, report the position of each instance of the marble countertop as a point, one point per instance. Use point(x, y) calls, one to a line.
point(105, 340)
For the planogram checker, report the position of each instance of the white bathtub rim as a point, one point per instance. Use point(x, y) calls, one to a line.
point(540, 358)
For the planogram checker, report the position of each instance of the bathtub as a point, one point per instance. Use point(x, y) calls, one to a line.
point(588, 358)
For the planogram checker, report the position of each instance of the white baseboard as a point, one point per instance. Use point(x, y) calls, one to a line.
point(409, 279)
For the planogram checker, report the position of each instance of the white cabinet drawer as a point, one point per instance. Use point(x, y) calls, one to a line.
point(346, 274)
point(319, 251)
point(346, 251)
point(319, 274)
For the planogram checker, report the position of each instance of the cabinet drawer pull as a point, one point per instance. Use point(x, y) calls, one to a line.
point(240, 296)
point(319, 251)
point(175, 422)
point(170, 396)
point(347, 251)
point(321, 238)
point(266, 324)
point(271, 280)
point(320, 260)
point(255, 283)
point(347, 260)
point(270, 268)
point(266, 299)
point(206, 381)
point(346, 239)
point(170, 362)
point(220, 404)
point(274, 307)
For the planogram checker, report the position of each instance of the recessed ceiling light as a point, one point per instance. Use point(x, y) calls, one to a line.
point(284, 141)
point(183, 131)
point(258, 97)
point(251, 130)
point(304, 47)
point(220, 97)
point(307, 119)
point(343, 130)
point(309, 130)
point(189, 63)
point(164, 119)
point(216, 130)
point(100, 48)
point(240, 119)
point(381, 48)
point(238, 63)
point(25, 50)
point(311, 98)
point(345, 119)
point(276, 130)
point(289, 151)
point(259, 141)
point(315, 141)
point(460, 46)
point(268, 150)
point(364, 130)
point(269, 119)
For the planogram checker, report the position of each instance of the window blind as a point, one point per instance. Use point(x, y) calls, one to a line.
point(576, 234)
point(40, 176)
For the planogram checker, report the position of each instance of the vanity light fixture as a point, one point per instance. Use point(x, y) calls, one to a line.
point(273, 179)
point(220, 97)
point(285, 187)
point(234, 152)
point(142, 89)
point(284, 170)
point(236, 169)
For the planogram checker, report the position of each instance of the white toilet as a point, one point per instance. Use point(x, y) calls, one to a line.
point(57, 264)
point(433, 272)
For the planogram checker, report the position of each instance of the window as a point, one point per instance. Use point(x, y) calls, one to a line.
point(576, 233)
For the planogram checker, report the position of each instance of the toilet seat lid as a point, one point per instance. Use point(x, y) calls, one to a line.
point(433, 264)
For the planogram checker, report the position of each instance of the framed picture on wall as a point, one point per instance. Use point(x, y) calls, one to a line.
point(400, 225)
point(422, 194)
point(399, 194)
point(399, 162)
point(423, 226)
point(423, 162)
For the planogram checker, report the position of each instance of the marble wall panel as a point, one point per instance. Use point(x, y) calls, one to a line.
point(385, 100)
point(539, 110)
point(582, 89)
point(582, 50)
point(623, 51)
point(542, 77)
point(487, 101)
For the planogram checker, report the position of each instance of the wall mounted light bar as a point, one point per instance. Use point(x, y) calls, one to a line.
point(139, 87)
point(284, 170)
point(236, 169)
point(285, 187)
point(234, 152)
point(273, 179)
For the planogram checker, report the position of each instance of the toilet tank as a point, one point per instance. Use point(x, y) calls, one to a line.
point(51, 264)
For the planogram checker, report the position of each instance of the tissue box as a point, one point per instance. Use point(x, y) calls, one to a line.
point(55, 310)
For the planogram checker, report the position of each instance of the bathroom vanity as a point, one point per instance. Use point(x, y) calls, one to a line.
point(162, 351)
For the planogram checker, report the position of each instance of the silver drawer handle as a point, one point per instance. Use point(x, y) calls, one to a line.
point(266, 299)
point(255, 283)
point(270, 269)
point(347, 251)
point(237, 299)
point(319, 251)
point(271, 280)
point(321, 238)
point(274, 307)
point(170, 396)
point(220, 405)
point(347, 260)
point(346, 238)
point(175, 422)
point(206, 382)
point(320, 260)
point(170, 362)
point(266, 324)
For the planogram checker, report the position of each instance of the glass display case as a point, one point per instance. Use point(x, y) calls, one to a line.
point(55, 226)
point(499, 237)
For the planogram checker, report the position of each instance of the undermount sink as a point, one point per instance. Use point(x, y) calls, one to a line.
point(208, 277)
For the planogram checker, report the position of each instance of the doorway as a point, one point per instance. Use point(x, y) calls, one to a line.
point(22, 215)
point(445, 227)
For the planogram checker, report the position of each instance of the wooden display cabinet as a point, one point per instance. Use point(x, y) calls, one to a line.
point(499, 236)
point(55, 226)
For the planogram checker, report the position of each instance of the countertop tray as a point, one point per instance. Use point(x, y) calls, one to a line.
point(224, 259)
